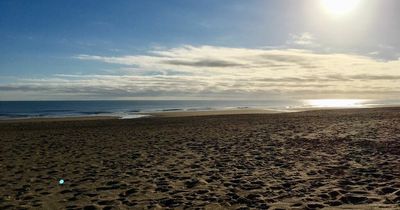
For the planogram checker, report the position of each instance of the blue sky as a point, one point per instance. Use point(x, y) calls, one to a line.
point(85, 49)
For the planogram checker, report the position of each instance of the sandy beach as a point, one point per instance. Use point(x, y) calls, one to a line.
point(331, 159)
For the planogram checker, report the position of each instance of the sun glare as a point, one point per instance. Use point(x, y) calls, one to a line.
point(340, 7)
point(335, 103)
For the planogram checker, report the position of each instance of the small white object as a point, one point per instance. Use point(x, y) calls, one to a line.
point(61, 181)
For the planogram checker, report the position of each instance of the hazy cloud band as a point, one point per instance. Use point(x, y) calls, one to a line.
point(210, 71)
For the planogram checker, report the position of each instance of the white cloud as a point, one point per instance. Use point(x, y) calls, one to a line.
point(210, 71)
point(303, 39)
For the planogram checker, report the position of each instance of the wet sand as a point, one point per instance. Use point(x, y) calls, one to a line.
point(339, 159)
point(215, 112)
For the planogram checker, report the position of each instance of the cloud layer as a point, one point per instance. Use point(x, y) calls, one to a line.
point(215, 72)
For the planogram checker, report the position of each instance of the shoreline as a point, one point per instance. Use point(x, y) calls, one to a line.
point(141, 115)
point(190, 113)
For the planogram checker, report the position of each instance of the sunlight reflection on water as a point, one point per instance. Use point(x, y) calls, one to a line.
point(336, 103)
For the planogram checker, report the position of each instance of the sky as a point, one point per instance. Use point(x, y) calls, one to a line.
point(191, 49)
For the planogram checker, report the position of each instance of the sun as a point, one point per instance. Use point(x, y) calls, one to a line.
point(340, 7)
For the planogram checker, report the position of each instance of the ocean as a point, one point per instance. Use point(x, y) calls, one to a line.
point(139, 108)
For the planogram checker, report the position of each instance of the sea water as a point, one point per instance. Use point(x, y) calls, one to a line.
point(138, 108)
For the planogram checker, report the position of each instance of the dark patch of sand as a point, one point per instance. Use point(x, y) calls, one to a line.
point(341, 159)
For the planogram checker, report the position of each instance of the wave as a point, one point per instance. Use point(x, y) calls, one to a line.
point(95, 112)
point(171, 110)
point(134, 116)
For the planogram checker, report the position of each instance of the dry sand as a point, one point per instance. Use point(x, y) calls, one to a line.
point(341, 159)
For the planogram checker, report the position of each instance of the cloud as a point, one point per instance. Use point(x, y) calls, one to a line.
point(216, 72)
point(203, 63)
point(303, 39)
